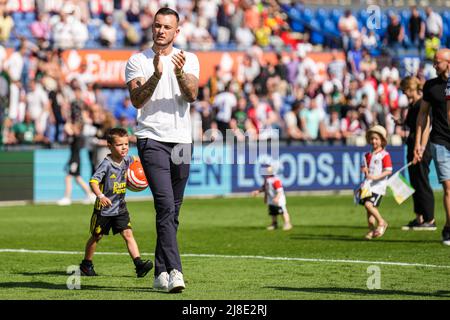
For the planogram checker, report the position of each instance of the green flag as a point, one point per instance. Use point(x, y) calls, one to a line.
point(400, 187)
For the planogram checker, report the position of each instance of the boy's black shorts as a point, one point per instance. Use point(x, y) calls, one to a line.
point(375, 199)
point(73, 167)
point(275, 210)
point(102, 224)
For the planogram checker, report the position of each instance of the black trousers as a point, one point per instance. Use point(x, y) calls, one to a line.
point(423, 198)
point(167, 179)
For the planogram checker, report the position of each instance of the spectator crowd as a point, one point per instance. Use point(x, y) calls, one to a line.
point(288, 97)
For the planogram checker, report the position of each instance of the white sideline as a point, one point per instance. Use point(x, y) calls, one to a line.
point(403, 264)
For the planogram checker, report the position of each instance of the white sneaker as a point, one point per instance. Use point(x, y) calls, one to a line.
point(90, 199)
point(176, 282)
point(161, 282)
point(64, 202)
point(287, 226)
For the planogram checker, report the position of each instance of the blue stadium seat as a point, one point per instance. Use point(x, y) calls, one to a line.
point(362, 15)
point(445, 40)
point(336, 15)
point(331, 28)
point(405, 14)
point(308, 15)
point(296, 23)
point(30, 17)
point(317, 36)
point(294, 14)
point(322, 15)
point(17, 16)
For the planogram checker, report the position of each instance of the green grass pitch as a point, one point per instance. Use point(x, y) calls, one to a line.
point(227, 252)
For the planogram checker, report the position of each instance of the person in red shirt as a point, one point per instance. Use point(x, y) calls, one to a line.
point(377, 167)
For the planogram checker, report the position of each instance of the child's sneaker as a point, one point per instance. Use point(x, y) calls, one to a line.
point(64, 202)
point(144, 268)
point(272, 227)
point(87, 270)
point(287, 226)
point(161, 282)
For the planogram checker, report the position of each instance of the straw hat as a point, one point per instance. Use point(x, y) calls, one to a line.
point(377, 129)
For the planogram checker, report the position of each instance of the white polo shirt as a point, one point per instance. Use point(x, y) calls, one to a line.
point(165, 116)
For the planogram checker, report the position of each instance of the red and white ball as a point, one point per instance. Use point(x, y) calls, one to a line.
point(136, 180)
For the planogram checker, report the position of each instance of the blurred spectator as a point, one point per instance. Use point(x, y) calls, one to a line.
point(355, 56)
point(38, 105)
point(145, 22)
point(293, 122)
point(126, 109)
point(434, 23)
point(262, 34)
point(332, 128)
point(108, 33)
point(80, 33)
point(261, 117)
point(100, 98)
point(348, 26)
point(350, 125)
point(416, 27)
point(41, 28)
point(395, 33)
point(196, 124)
point(132, 37)
point(312, 120)
point(240, 124)
point(224, 103)
point(62, 31)
point(207, 117)
point(368, 64)
point(307, 68)
point(432, 45)
point(25, 130)
point(6, 24)
point(369, 39)
point(244, 36)
point(201, 38)
point(187, 29)
point(8, 136)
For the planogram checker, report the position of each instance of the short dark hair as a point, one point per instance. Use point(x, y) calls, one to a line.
point(115, 132)
point(167, 11)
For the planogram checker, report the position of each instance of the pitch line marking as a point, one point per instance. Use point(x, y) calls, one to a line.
point(200, 255)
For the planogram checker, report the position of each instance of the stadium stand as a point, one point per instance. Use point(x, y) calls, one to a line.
point(363, 87)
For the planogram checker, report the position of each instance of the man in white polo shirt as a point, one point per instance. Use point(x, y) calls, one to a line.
point(162, 81)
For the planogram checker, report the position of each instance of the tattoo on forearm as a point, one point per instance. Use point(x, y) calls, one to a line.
point(143, 93)
point(188, 86)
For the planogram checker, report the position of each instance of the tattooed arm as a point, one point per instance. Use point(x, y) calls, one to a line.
point(188, 82)
point(188, 86)
point(141, 91)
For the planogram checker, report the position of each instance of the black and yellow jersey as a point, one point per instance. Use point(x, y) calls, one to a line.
point(112, 180)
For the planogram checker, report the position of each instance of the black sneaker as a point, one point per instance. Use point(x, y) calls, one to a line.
point(87, 270)
point(446, 236)
point(426, 226)
point(144, 268)
point(411, 225)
